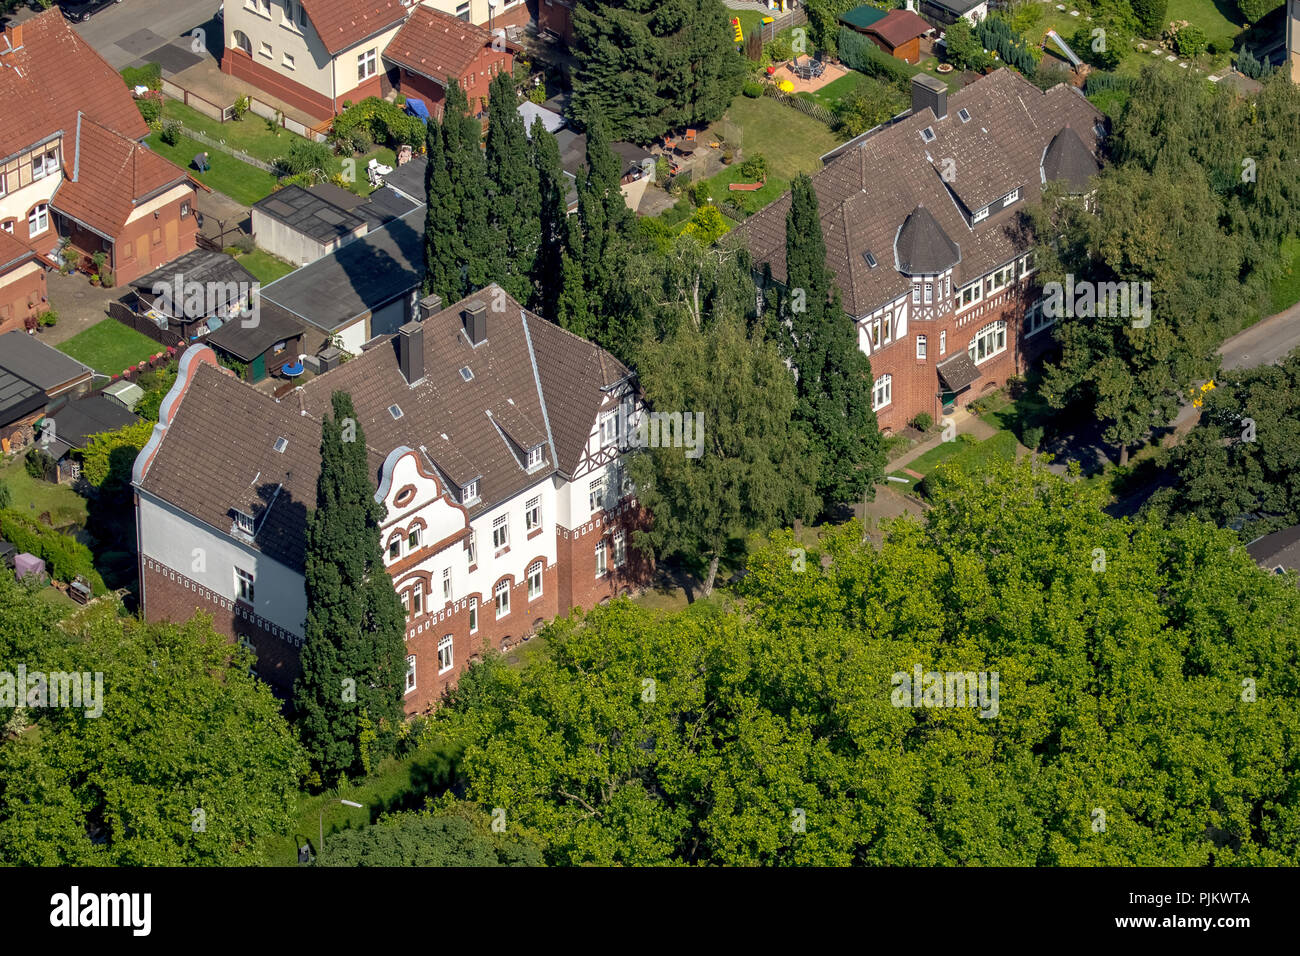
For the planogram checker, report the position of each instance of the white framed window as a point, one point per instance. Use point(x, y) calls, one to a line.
point(920, 346)
point(535, 458)
point(417, 599)
point(501, 532)
point(8, 226)
point(413, 539)
point(410, 673)
point(916, 293)
point(882, 393)
point(367, 64)
point(947, 284)
point(929, 292)
point(38, 220)
point(473, 615)
point(502, 597)
point(265, 50)
point(1011, 197)
point(601, 567)
point(446, 584)
point(535, 581)
point(469, 493)
point(3, 189)
point(44, 164)
point(620, 548)
point(596, 494)
point(395, 548)
point(471, 549)
point(989, 341)
point(244, 585)
point(1000, 279)
point(185, 210)
point(1036, 320)
point(1027, 264)
point(444, 653)
point(240, 40)
point(971, 294)
point(406, 604)
point(533, 513)
point(880, 330)
point(462, 11)
point(608, 429)
point(979, 215)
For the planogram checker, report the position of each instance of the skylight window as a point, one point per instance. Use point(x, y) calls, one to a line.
point(964, 115)
point(281, 444)
point(927, 134)
point(870, 259)
point(467, 374)
point(395, 411)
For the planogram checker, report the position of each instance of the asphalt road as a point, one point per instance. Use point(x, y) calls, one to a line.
point(126, 31)
point(1264, 343)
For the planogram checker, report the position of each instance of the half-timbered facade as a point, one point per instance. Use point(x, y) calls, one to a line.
point(492, 440)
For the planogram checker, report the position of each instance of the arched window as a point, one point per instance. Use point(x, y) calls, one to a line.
point(989, 341)
point(240, 41)
point(883, 392)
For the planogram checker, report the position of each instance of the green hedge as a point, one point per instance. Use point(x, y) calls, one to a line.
point(859, 53)
point(65, 557)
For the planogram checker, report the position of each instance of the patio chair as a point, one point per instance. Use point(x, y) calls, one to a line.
point(690, 135)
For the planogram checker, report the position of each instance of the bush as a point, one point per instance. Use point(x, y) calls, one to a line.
point(972, 459)
point(48, 318)
point(857, 52)
point(1150, 16)
point(304, 158)
point(997, 34)
point(964, 51)
point(171, 132)
point(753, 89)
point(780, 49)
point(923, 422)
point(374, 120)
point(754, 168)
point(6, 496)
point(1032, 437)
point(240, 107)
point(37, 463)
point(65, 557)
point(1250, 65)
point(149, 75)
point(1083, 42)
point(700, 193)
point(150, 109)
point(1190, 41)
point(1256, 10)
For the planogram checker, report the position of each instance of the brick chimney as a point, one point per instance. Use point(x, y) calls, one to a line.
point(931, 92)
point(14, 36)
point(475, 319)
point(410, 352)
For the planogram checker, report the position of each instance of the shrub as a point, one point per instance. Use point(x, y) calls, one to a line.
point(780, 49)
point(48, 318)
point(150, 109)
point(997, 34)
point(1250, 65)
point(37, 463)
point(1084, 44)
point(374, 120)
point(973, 458)
point(65, 557)
point(964, 51)
point(1032, 437)
point(150, 75)
point(240, 107)
point(1150, 15)
point(6, 496)
point(1256, 10)
point(755, 167)
point(922, 422)
point(171, 132)
point(753, 89)
point(700, 193)
point(304, 158)
point(857, 52)
point(1190, 41)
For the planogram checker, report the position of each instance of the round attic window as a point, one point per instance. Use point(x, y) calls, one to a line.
point(405, 496)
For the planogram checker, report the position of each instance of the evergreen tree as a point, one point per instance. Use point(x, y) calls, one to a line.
point(515, 205)
point(553, 222)
point(354, 648)
point(481, 256)
point(608, 237)
point(442, 264)
point(571, 302)
point(649, 66)
point(834, 377)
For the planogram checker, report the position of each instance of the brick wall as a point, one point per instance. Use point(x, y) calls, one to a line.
point(239, 64)
point(576, 555)
point(20, 298)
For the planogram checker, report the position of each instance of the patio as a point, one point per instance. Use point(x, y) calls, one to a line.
point(786, 73)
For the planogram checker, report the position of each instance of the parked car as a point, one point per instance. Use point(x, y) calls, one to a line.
point(79, 11)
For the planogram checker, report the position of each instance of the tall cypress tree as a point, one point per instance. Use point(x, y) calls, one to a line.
point(606, 228)
point(354, 649)
point(553, 222)
point(834, 387)
point(514, 207)
point(462, 135)
point(443, 270)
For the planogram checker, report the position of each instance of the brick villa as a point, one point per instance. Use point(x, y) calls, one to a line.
point(493, 440)
point(926, 236)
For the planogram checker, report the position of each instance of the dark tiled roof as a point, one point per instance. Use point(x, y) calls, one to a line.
point(866, 192)
point(922, 246)
point(310, 213)
point(343, 23)
point(197, 265)
point(33, 360)
point(443, 416)
point(958, 371)
point(1281, 548)
point(247, 343)
point(898, 26)
point(359, 277)
point(77, 421)
point(863, 16)
point(1069, 159)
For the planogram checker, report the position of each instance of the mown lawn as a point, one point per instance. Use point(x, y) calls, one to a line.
point(750, 201)
point(830, 95)
point(108, 346)
point(265, 267)
point(241, 182)
point(1285, 291)
point(1221, 21)
point(792, 142)
point(33, 497)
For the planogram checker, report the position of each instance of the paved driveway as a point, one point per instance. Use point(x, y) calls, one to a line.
point(127, 31)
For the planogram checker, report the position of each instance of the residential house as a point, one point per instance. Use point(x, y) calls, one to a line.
point(926, 236)
point(432, 48)
point(35, 381)
point(944, 12)
point(73, 428)
point(71, 165)
point(23, 294)
point(493, 439)
point(1278, 552)
point(314, 54)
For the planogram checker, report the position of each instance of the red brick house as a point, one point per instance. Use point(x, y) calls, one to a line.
point(926, 236)
point(71, 164)
point(433, 47)
point(494, 444)
point(22, 284)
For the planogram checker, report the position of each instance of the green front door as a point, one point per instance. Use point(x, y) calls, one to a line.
point(257, 371)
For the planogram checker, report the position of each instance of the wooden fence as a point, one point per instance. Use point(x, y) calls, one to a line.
point(195, 102)
point(795, 18)
point(145, 326)
point(807, 107)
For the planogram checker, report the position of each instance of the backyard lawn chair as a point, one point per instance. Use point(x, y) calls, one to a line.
point(690, 135)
